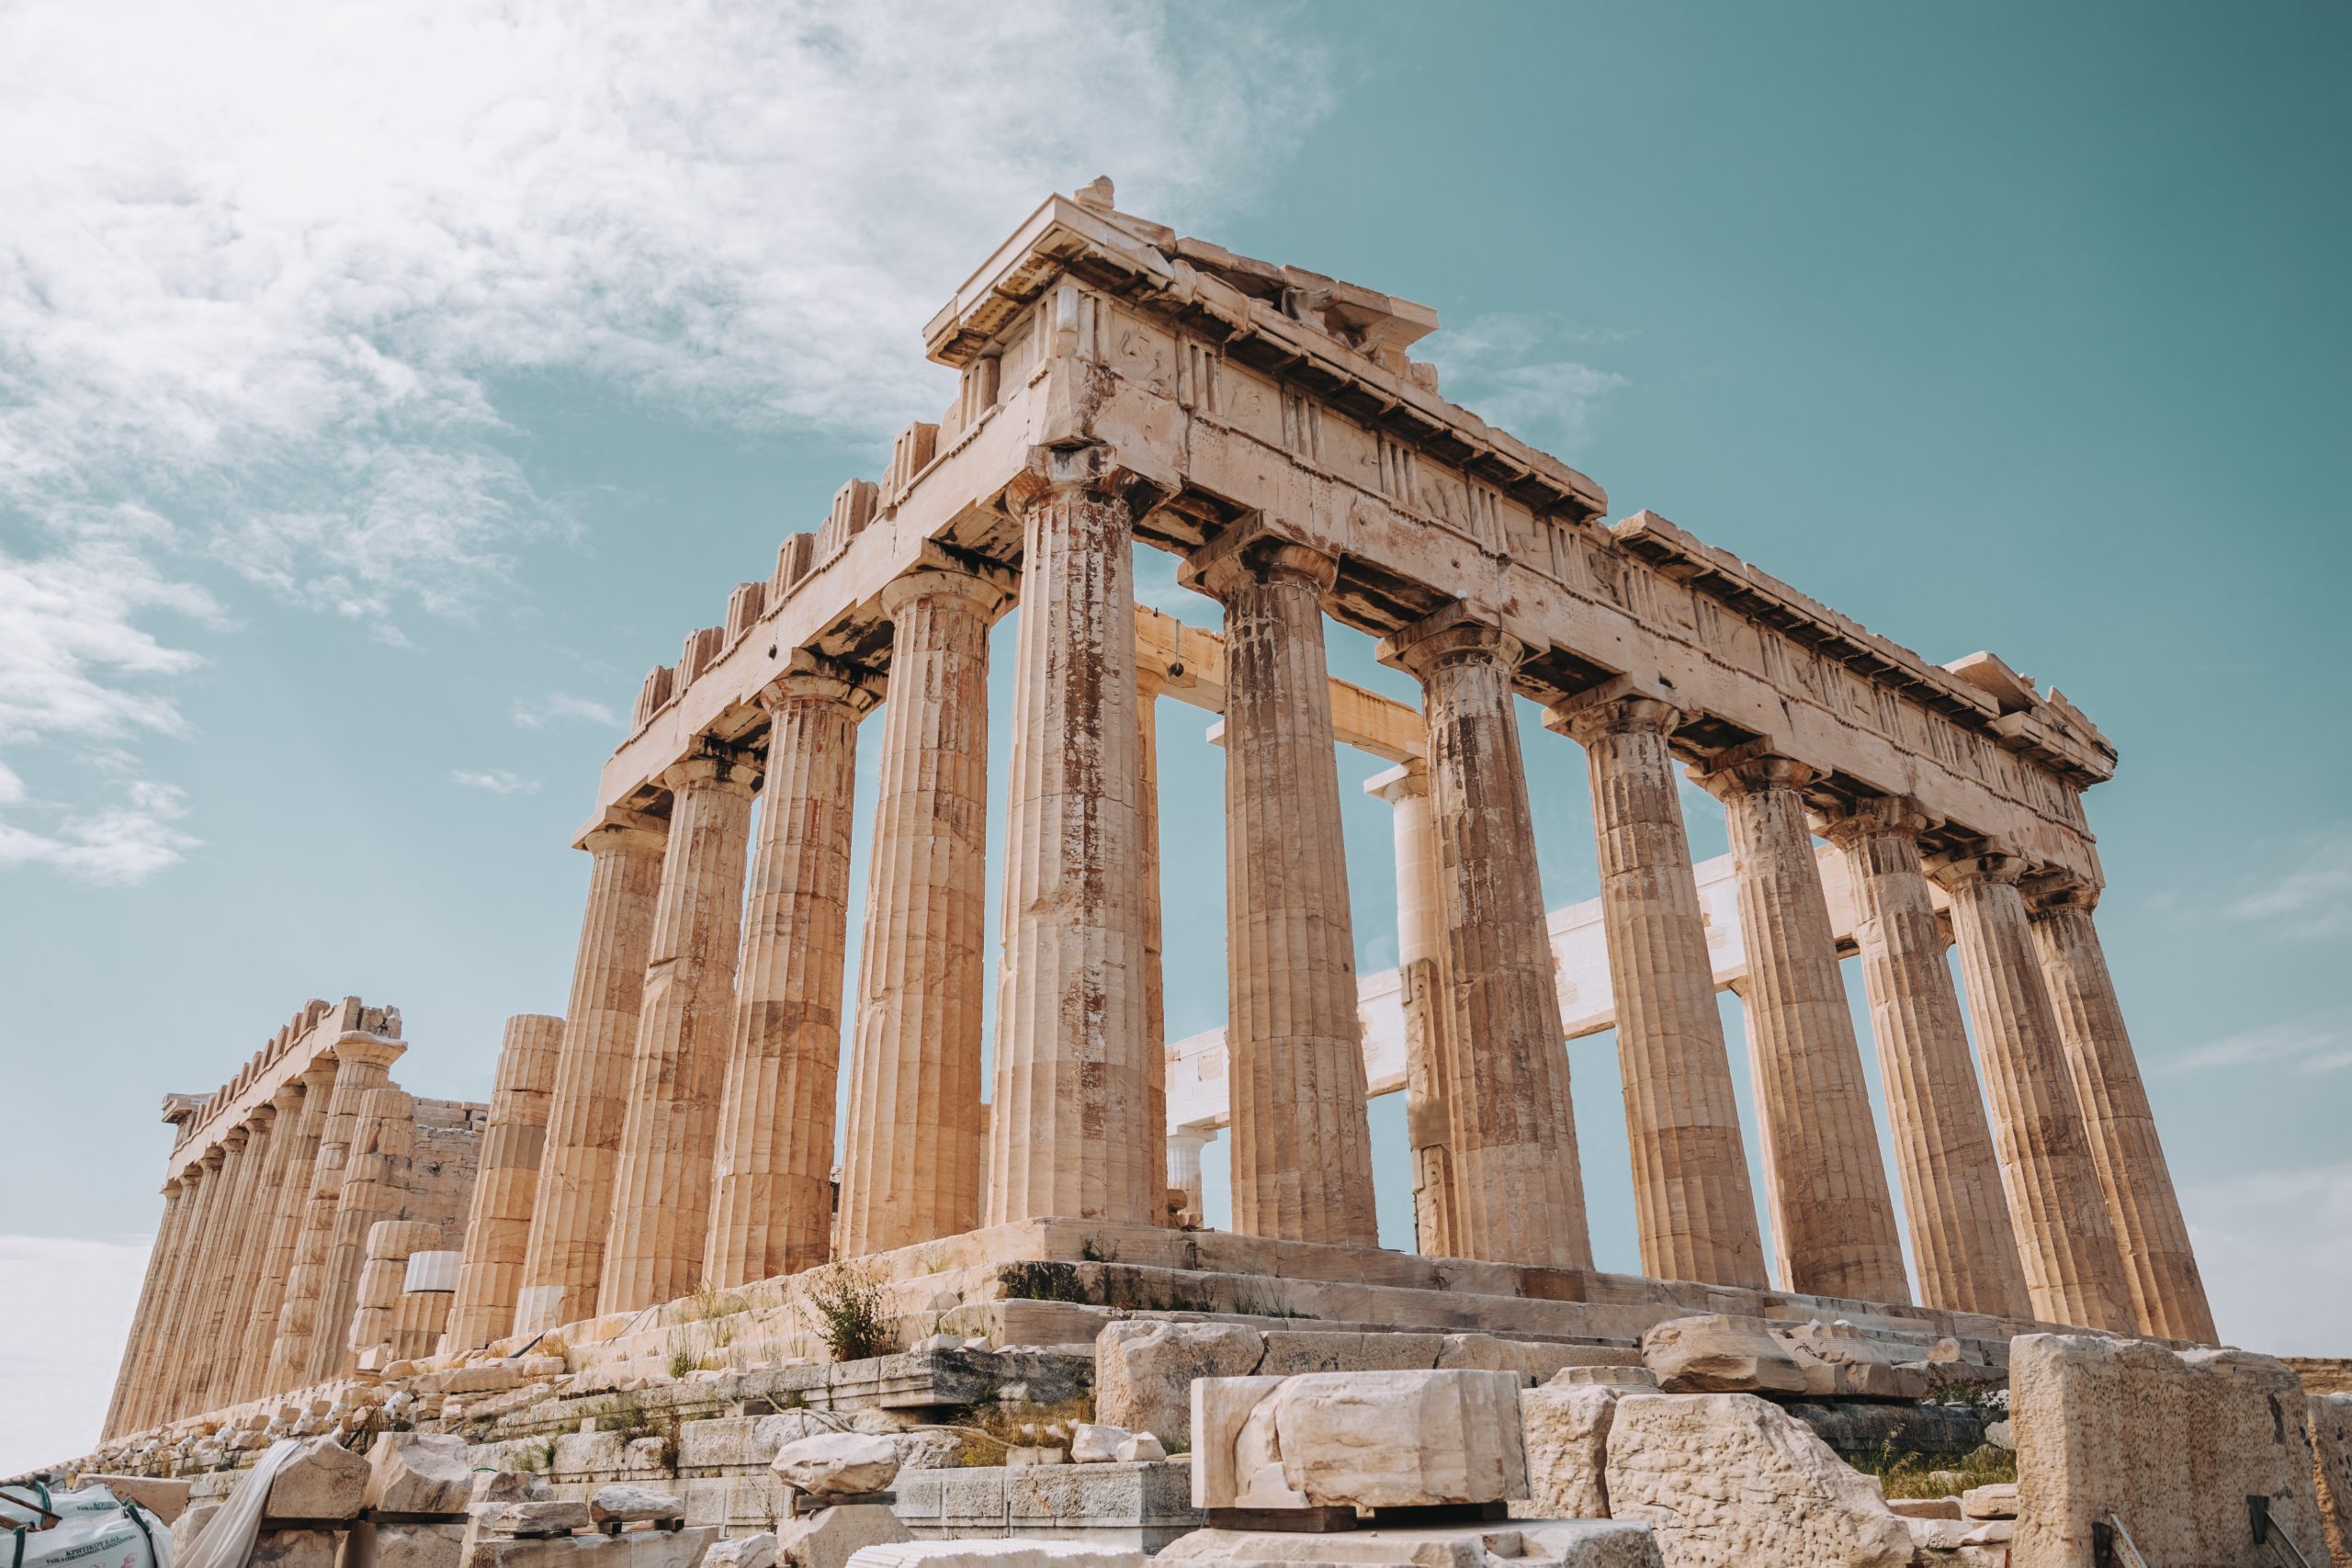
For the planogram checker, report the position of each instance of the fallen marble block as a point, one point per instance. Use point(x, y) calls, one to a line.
point(419, 1472)
point(831, 1537)
point(321, 1479)
point(1521, 1543)
point(838, 1465)
point(1011, 1552)
point(1566, 1431)
point(624, 1504)
point(1716, 1353)
point(1732, 1481)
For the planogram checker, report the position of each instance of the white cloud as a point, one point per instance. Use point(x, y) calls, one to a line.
point(261, 275)
point(2275, 1249)
point(541, 713)
point(2315, 1043)
point(1513, 370)
point(2313, 897)
point(498, 781)
point(63, 1319)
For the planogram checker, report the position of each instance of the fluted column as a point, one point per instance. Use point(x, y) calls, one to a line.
point(1184, 1147)
point(1961, 1238)
point(1833, 1214)
point(506, 1182)
point(564, 1260)
point(2073, 1272)
point(1155, 1001)
point(910, 1163)
point(1301, 1147)
point(772, 1204)
point(1691, 1201)
point(1071, 1134)
point(2159, 1266)
point(134, 1394)
point(299, 1131)
point(1419, 952)
point(363, 1064)
point(662, 1183)
point(253, 1209)
point(138, 1349)
point(375, 1176)
point(376, 1296)
point(163, 1398)
point(1519, 1194)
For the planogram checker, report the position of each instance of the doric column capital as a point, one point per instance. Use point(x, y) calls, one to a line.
point(943, 571)
point(1447, 637)
point(259, 1118)
point(2058, 892)
point(354, 1048)
point(617, 828)
point(713, 765)
point(289, 1095)
point(809, 677)
point(1257, 551)
point(1751, 769)
point(173, 1185)
point(1406, 780)
point(1989, 862)
point(1054, 471)
point(1855, 819)
point(236, 1137)
point(1618, 706)
point(213, 1159)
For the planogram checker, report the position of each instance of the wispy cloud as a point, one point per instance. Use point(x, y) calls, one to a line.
point(538, 713)
point(2315, 1043)
point(498, 781)
point(258, 281)
point(2275, 1249)
point(2313, 897)
point(1525, 373)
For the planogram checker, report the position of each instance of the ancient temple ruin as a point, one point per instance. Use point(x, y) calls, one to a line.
point(664, 1158)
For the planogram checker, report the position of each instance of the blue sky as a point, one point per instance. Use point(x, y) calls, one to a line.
point(382, 394)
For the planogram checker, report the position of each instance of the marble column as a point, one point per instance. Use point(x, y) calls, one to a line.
point(910, 1162)
point(1419, 950)
point(199, 1331)
point(163, 1398)
point(1962, 1242)
point(376, 1296)
point(254, 1204)
point(1302, 1146)
point(2167, 1293)
point(661, 1182)
point(142, 1355)
point(301, 1128)
point(1833, 1214)
point(1519, 1193)
point(1691, 1201)
point(564, 1260)
point(363, 1064)
point(1155, 1001)
point(506, 1182)
point(1072, 1132)
point(2073, 1273)
point(1184, 1147)
point(772, 1207)
point(375, 1175)
point(138, 1349)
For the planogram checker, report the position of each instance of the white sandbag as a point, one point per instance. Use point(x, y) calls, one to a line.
point(94, 1530)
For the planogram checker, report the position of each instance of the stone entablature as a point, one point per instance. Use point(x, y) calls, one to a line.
point(1220, 405)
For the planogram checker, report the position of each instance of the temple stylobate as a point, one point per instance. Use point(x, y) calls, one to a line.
point(1123, 387)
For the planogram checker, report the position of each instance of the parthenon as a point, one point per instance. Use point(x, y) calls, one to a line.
point(674, 1136)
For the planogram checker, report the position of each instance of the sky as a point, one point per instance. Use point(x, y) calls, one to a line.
point(383, 391)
